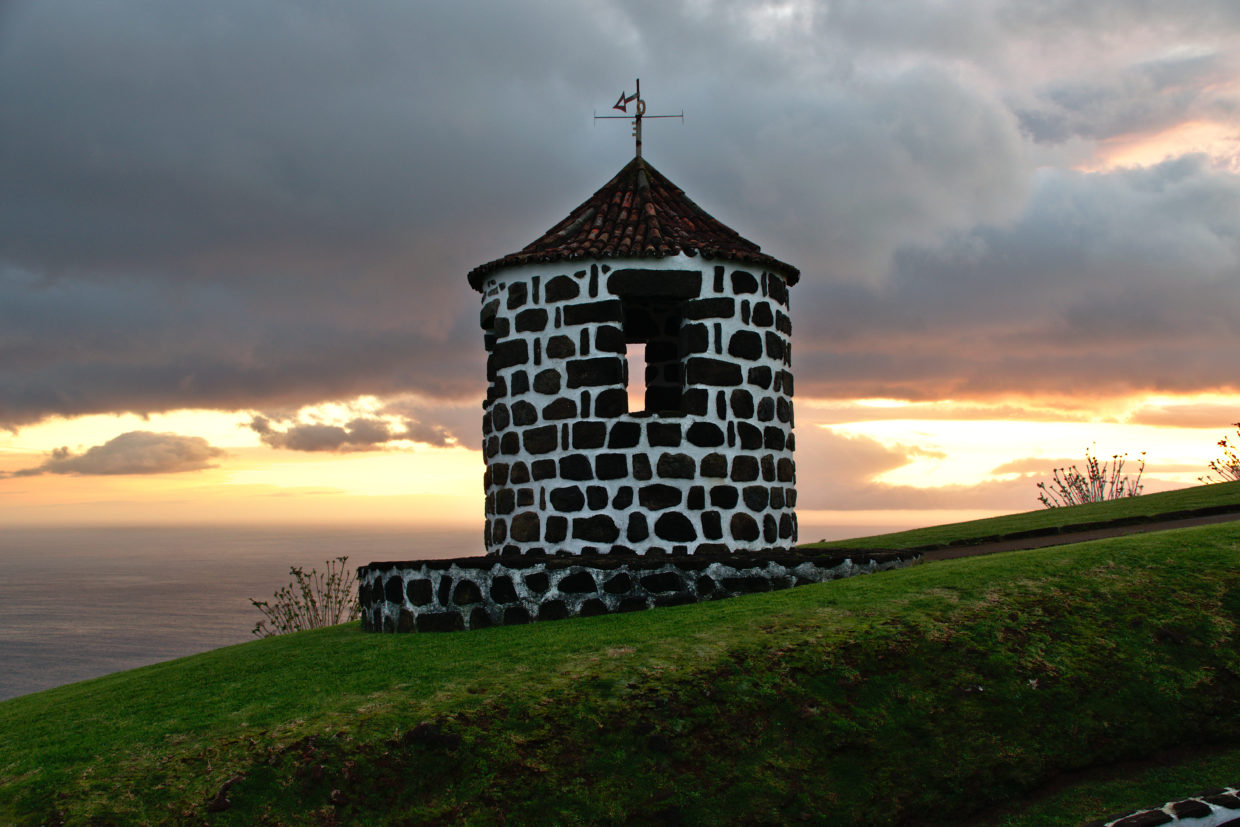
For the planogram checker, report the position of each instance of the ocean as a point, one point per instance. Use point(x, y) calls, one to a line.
point(77, 603)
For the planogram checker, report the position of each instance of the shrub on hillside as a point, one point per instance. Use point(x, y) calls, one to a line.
point(1227, 467)
point(310, 601)
point(1100, 481)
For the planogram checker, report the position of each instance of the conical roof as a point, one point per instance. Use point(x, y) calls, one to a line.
point(637, 214)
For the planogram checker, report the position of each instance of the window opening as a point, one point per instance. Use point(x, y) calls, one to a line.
point(655, 372)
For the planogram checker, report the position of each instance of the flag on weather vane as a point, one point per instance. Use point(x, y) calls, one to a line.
point(623, 103)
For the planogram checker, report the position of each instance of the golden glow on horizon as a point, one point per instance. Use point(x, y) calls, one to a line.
point(948, 443)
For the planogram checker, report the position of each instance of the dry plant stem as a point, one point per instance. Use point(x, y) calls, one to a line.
point(1101, 481)
point(310, 601)
point(1227, 467)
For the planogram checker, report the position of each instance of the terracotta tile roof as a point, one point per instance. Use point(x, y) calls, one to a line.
point(637, 214)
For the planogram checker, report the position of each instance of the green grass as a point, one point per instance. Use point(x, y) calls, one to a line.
point(1149, 505)
point(914, 696)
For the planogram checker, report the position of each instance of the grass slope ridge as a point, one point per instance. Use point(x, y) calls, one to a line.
point(915, 696)
point(1199, 500)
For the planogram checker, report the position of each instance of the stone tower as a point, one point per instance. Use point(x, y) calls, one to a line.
point(705, 464)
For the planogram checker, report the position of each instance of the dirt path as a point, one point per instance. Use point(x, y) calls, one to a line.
point(1077, 537)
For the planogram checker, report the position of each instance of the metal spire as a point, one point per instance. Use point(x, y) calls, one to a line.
point(639, 112)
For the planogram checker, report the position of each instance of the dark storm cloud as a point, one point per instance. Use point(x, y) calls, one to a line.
point(264, 206)
point(135, 452)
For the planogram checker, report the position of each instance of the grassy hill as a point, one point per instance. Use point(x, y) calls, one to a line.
point(916, 696)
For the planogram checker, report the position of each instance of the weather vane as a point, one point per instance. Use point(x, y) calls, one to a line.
point(639, 113)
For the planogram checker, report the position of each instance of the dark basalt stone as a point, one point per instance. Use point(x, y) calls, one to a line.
point(744, 528)
point(787, 526)
point(505, 501)
point(509, 443)
point(746, 585)
point(724, 496)
point(518, 294)
point(714, 465)
point(638, 529)
point(524, 527)
point(611, 403)
point(604, 370)
point(509, 353)
point(466, 592)
point(785, 378)
point(557, 529)
point(499, 416)
point(562, 408)
point(745, 344)
point(658, 497)
point(444, 593)
point(520, 382)
point(610, 310)
point(674, 527)
point(759, 376)
point(597, 529)
point(773, 439)
point(705, 435)
point(523, 413)
point(677, 466)
point(620, 584)
point(502, 589)
point(611, 466)
point(553, 610)
point(632, 604)
point(641, 467)
point(623, 498)
point(675, 284)
point(596, 497)
point(533, 320)
point(743, 282)
point(441, 622)
point(742, 404)
point(666, 581)
point(768, 468)
point(542, 469)
point(750, 436)
point(405, 622)
point(589, 434)
point(756, 497)
point(547, 381)
point(712, 527)
point(766, 409)
point(537, 582)
point(480, 618)
point(786, 470)
point(624, 435)
point(663, 434)
point(579, 582)
point(499, 531)
point(576, 467)
point(696, 500)
point(393, 589)
point(769, 529)
point(703, 371)
point(567, 499)
point(695, 401)
point(540, 440)
point(783, 324)
point(709, 309)
point(761, 316)
point(560, 347)
point(516, 615)
point(610, 339)
point(774, 345)
point(592, 608)
point(777, 290)
point(561, 288)
point(777, 497)
point(783, 410)
point(695, 338)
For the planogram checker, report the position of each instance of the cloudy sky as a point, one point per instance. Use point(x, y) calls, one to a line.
point(234, 237)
